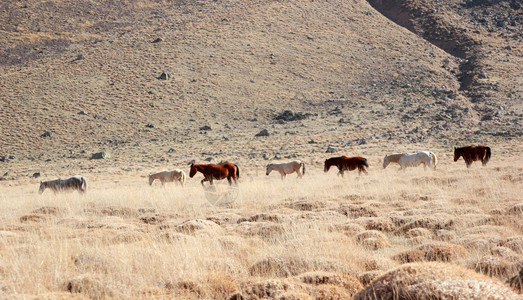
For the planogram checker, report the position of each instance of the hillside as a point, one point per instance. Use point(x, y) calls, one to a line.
point(87, 73)
point(159, 83)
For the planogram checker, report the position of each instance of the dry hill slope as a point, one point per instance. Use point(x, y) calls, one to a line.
point(235, 66)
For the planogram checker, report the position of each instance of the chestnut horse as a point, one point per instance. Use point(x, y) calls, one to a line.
point(216, 172)
point(77, 182)
point(472, 153)
point(347, 163)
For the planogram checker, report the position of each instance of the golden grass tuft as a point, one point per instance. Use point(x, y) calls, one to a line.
point(436, 251)
point(349, 228)
point(351, 284)
point(274, 217)
point(307, 205)
point(372, 239)
point(481, 242)
point(515, 243)
point(114, 211)
point(378, 263)
point(50, 210)
point(419, 232)
point(35, 218)
point(192, 226)
point(516, 210)
point(434, 222)
point(377, 223)
point(435, 280)
point(90, 286)
point(225, 218)
point(271, 288)
point(495, 266)
point(293, 265)
point(516, 282)
point(367, 277)
point(87, 263)
point(330, 292)
point(152, 218)
point(356, 211)
point(265, 230)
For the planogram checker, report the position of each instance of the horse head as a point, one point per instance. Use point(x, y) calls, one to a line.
point(457, 154)
point(327, 166)
point(151, 179)
point(269, 169)
point(386, 161)
point(193, 171)
point(42, 188)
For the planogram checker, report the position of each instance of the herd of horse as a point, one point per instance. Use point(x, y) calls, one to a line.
point(231, 171)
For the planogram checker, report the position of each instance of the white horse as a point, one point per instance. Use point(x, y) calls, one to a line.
point(405, 160)
point(175, 175)
point(77, 182)
point(288, 168)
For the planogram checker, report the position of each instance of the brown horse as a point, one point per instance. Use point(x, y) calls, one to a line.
point(472, 153)
point(77, 182)
point(347, 163)
point(216, 172)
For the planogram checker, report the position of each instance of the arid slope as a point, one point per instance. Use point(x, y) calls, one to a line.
point(234, 66)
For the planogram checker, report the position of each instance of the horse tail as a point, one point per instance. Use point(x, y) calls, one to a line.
point(303, 168)
point(434, 160)
point(84, 184)
point(363, 161)
point(487, 158)
point(237, 171)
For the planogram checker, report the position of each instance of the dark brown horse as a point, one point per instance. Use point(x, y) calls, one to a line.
point(216, 172)
point(347, 163)
point(473, 153)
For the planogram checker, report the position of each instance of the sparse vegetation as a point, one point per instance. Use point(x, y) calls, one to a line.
point(132, 240)
point(254, 82)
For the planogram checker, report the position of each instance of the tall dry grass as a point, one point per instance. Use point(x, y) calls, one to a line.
point(125, 239)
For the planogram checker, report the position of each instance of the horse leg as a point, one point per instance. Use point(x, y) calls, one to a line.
point(361, 169)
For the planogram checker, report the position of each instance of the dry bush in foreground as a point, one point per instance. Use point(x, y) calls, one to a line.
point(437, 251)
point(433, 280)
point(351, 284)
point(94, 288)
point(499, 267)
point(516, 282)
point(372, 239)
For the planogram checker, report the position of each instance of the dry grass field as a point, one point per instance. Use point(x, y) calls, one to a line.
point(324, 78)
point(322, 237)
